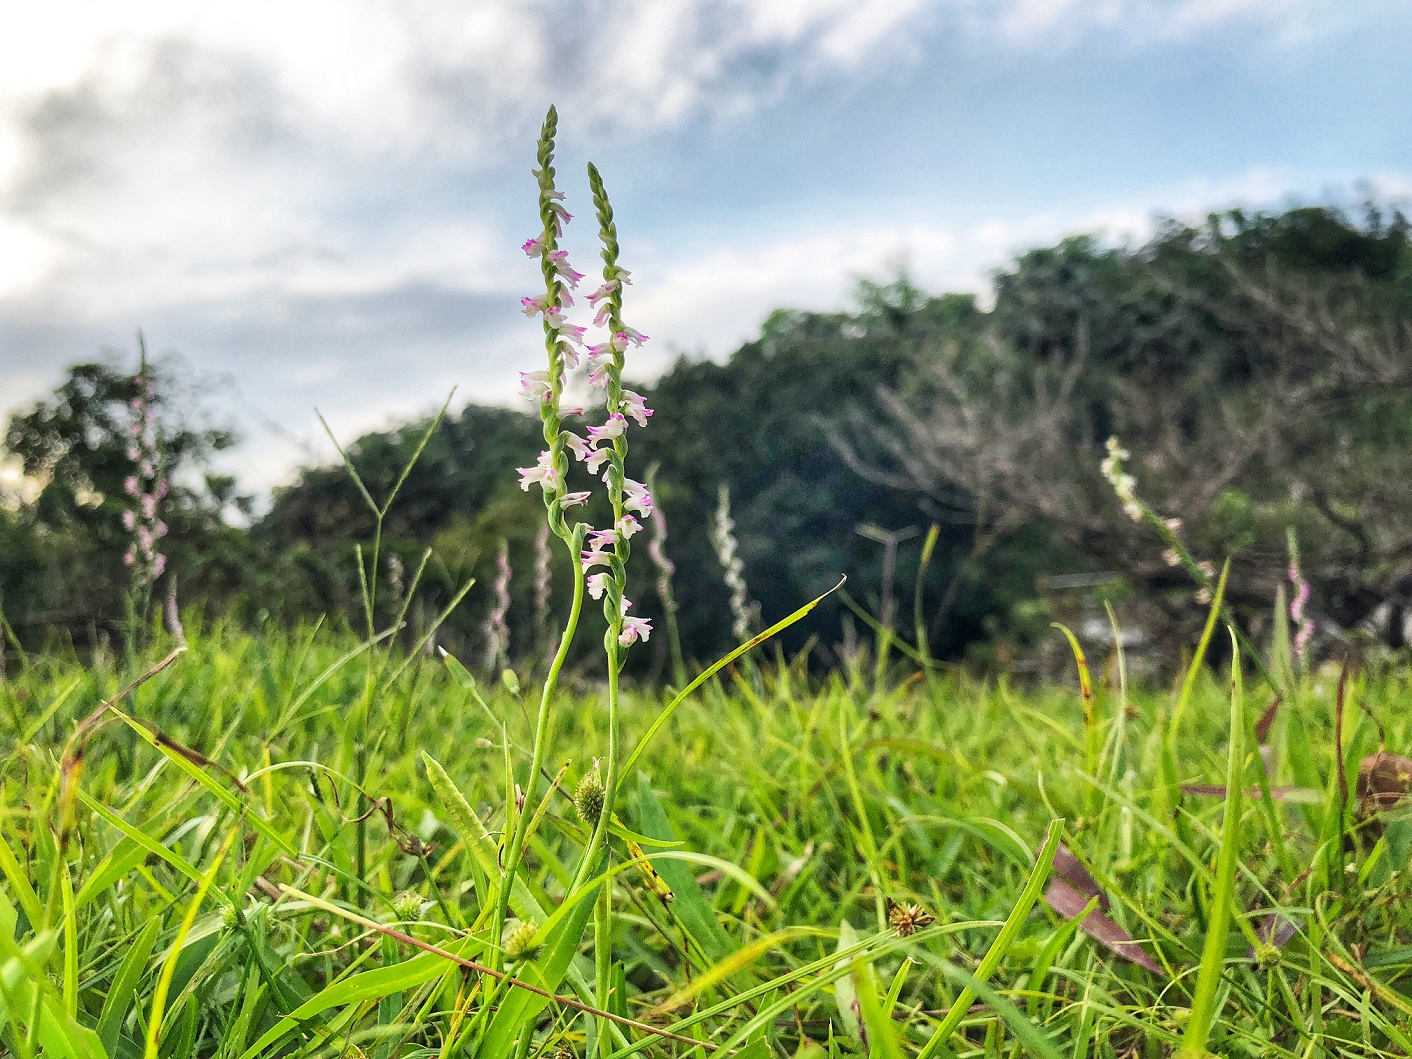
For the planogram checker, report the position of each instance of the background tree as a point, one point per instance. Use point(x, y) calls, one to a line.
point(75, 446)
point(1259, 369)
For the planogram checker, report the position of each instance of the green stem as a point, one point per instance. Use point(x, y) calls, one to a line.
point(610, 781)
point(603, 960)
point(542, 733)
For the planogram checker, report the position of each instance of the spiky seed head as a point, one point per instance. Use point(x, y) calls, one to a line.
point(407, 905)
point(232, 917)
point(588, 797)
point(519, 943)
point(907, 919)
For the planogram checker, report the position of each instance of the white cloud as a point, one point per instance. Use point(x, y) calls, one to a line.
point(159, 152)
point(1057, 23)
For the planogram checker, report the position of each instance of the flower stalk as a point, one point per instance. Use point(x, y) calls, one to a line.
point(497, 628)
point(146, 487)
point(602, 450)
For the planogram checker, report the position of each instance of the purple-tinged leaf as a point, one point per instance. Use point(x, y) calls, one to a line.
point(1070, 903)
point(1071, 869)
point(1267, 719)
point(1275, 929)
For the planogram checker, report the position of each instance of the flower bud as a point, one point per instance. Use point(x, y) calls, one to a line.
point(510, 680)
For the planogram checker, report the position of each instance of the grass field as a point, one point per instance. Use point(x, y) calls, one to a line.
point(251, 854)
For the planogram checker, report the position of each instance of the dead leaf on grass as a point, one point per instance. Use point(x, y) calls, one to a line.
point(1069, 893)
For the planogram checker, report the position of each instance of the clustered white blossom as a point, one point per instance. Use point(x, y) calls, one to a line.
point(1123, 484)
point(497, 628)
point(744, 613)
point(146, 486)
point(600, 449)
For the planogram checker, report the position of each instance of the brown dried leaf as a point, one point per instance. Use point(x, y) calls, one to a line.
point(1267, 719)
point(1070, 903)
point(1277, 793)
point(1384, 779)
point(1069, 867)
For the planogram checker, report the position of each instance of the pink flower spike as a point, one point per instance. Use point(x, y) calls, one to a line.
point(577, 446)
point(130, 556)
point(627, 526)
point(130, 486)
point(129, 520)
point(532, 247)
point(134, 453)
point(560, 261)
point(542, 472)
point(159, 563)
point(636, 497)
point(635, 405)
point(534, 385)
point(634, 629)
point(574, 499)
point(161, 529)
point(598, 584)
point(614, 428)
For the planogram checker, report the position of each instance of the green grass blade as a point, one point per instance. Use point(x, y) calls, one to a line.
point(122, 994)
point(1011, 929)
point(1213, 954)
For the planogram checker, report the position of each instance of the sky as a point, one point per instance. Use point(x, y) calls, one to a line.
point(319, 203)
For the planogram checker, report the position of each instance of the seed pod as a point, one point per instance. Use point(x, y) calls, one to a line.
point(907, 919)
point(519, 943)
point(588, 797)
